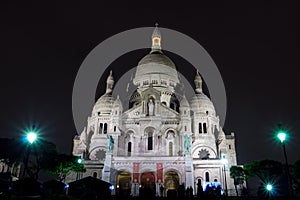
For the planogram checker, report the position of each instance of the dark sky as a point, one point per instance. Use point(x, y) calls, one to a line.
point(256, 48)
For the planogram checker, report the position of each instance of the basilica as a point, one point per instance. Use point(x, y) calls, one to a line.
point(162, 140)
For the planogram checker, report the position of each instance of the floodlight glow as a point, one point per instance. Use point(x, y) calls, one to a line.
point(281, 136)
point(224, 161)
point(111, 187)
point(79, 160)
point(269, 187)
point(31, 137)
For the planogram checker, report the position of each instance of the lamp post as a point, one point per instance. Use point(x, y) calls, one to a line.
point(269, 189)
point(31, 138)
point(225, 161)
point(281, 135)
point(79, 161)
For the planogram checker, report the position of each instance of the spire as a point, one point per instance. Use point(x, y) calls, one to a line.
point(156, 39)
point(198, 83)
point(109, 83)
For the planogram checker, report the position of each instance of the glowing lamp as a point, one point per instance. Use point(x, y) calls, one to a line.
point(31, 137)
point(269, 187)
point(281, 136)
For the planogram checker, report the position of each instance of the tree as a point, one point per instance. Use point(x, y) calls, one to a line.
point(11, 151)
point(35, 157)
point(268, 171)
point(41, 154)
point(62, 164)
point(238, 175)
point(265, 170)
point(296, 176)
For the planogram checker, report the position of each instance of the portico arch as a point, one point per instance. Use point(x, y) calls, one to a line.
point(124, 183)
point(147, 181)
point(171, 183)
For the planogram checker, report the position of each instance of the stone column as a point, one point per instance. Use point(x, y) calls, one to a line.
point(156, 112)
point(189, 172)
point(116, 145)
point(107, 167)
point(135, 189)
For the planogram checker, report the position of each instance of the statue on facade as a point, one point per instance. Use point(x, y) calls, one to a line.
point(150, 107)
point(187, 144)
point(111, 143)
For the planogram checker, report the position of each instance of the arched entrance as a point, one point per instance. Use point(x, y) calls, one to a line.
point(147, 188)
point(124, 184)
point(171, 180)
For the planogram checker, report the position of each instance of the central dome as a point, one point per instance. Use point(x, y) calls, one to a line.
point(156, 68)
point(157, 58)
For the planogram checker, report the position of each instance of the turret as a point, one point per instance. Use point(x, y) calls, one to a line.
point(109, 83)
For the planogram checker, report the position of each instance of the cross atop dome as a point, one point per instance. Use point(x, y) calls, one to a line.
point(156, 39)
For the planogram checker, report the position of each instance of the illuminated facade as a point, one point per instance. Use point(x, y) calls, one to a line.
point(162, 140)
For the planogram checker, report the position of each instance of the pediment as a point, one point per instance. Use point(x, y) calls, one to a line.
point(150, 92)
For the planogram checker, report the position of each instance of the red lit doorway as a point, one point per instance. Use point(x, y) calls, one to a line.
point(147, 188)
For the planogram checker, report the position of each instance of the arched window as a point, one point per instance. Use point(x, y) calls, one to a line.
point(150, 141)
point(185, 128)
point(200, 128)
point(172, 106)
point(170, 149)
point(206, 176)
point(95, 174)
point(105, 128)
point(100, 128)
point(115, 128)
point(204, 128)
point(129, 149)
point(164, 103)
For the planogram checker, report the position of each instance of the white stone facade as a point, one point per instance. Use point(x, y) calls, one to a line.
point(161, 140)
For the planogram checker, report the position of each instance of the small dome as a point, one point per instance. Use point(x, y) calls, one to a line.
point(118, 104)
point(184, 102)
point(201, 103)
point(159, 58)
point(104, 104)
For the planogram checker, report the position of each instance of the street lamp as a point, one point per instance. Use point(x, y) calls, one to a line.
point(269, 190)
point(31, 137)
point(225, 161)
point(281, 135)
point(269, 187)
point(79, 162)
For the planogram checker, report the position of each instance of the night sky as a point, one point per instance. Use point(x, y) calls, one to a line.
point(256, 48)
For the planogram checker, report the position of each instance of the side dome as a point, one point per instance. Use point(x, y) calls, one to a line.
point(104, 104)
point(201, 103)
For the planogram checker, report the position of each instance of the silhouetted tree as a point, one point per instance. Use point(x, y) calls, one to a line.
point(11, 151)
point(268, 171)
point(41, 155)
point(296, 176)
point(62, 164)
point(238, 175)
